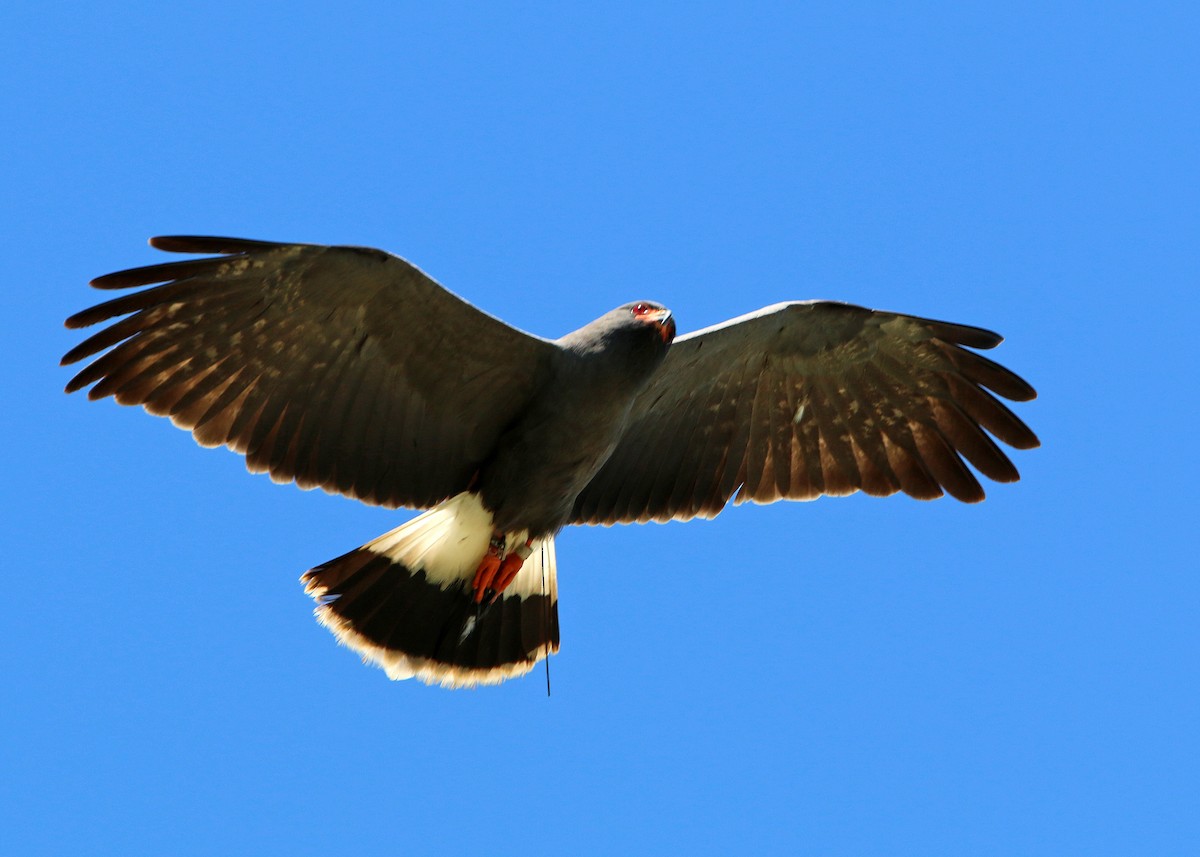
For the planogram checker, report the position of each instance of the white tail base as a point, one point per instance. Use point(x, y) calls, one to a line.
point(449, 541)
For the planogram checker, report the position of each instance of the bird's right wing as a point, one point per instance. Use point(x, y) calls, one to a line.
point(344, 368)
point(803, 399)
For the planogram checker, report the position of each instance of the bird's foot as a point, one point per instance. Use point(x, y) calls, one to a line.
point(498, 568)
point(511, 565)
point(489, 566)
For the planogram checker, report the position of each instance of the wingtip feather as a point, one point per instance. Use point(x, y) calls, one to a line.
point(208, 244)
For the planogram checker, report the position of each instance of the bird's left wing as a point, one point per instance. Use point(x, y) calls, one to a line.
point(344, 368)
point(809, 398)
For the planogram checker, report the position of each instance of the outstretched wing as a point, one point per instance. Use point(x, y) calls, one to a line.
point(344, 368)
point(803, 399)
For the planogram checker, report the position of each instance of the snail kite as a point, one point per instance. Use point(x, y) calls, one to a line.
point(348, 369)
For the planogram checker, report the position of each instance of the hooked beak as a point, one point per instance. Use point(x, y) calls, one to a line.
point(666, 324)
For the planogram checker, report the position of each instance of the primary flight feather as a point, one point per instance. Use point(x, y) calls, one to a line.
point(348, 369)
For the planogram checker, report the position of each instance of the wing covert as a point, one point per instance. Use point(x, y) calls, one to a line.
point(343, 368)
point(804, 399)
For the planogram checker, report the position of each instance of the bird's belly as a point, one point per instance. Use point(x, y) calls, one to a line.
point(532, 482)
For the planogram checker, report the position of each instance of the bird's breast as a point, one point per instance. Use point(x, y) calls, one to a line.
point(552, 451)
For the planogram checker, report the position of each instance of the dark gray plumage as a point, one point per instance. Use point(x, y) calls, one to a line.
point(343, 368)
point(348, 369)
point(809, 398)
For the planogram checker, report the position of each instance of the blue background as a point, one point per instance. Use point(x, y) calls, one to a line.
point(849, 676)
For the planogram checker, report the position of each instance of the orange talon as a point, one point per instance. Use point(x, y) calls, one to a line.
point(484, 575)
point(489, 566)
point(508, 570)
point(511, 566)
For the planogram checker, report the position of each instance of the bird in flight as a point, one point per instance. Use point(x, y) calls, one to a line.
point(348, 369)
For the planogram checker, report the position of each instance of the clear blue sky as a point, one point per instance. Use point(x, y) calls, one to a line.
point(844, 677)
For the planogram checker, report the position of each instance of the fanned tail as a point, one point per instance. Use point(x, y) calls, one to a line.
point(403, 601)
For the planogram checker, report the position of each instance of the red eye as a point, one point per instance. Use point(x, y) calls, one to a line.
point(642, 309)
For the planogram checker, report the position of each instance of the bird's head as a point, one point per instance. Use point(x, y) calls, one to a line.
point(655, 316)
point(635, 336)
